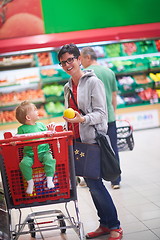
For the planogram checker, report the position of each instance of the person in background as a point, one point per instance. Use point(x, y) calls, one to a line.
point(27, 115)
point(107, 76)
point(89, 94)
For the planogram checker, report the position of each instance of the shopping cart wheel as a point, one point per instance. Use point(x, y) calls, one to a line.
point(31, 227)
point(62, 223)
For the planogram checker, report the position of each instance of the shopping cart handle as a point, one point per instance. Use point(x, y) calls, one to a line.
point(30, 136)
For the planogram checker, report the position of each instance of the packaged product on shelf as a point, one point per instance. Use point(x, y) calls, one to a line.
point(131, 99)
point(156, 78)
point(129, 48)
point(14, 98)
point(113, 50)
point(126, 83)
point(9, 116)
point(149, 94)
point(53, 90)
point(158, 44)
point(44, 58)
point(17, 60)
point(147, 46)
point(143, 81)
point(54, 109)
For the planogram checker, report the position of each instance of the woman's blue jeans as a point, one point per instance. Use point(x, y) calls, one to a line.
point(104, 204)
point(112, 133)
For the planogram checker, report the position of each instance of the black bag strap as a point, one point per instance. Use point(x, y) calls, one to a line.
point(72, 96)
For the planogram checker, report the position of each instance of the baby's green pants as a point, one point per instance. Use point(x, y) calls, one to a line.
point(45, 158)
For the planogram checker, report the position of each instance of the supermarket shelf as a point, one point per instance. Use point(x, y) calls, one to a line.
point(129, 57)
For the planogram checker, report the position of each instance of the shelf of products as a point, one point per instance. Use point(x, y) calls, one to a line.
point(36, 76)
point(137, 67)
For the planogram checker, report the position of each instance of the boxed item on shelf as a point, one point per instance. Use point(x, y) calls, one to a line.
point(53, 90)
point(9, 116)
point(147, 46)
point(48, 74)
point(154, 62)
point(120, 101)
point(126, 83)
point(149, 94)
point(14, 98)
point(129, 48)
point(17, 60)
point(143, 81)
point(100, 51)
point(44, 59)
point(131, 99)
point(157, 42)
point(156, 78)
point(113, 50)
point(54, 109)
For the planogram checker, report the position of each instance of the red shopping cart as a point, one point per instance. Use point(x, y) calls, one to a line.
point(14, 184)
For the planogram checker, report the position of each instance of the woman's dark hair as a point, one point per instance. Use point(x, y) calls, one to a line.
point(69, 48)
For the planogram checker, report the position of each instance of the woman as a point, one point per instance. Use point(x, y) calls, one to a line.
point(89, 94)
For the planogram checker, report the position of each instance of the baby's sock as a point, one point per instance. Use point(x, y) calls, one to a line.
point(30, 186)
point(50, 183)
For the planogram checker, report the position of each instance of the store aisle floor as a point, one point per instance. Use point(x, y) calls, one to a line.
point(137, 201)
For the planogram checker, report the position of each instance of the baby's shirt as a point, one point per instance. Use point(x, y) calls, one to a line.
point(38, 127)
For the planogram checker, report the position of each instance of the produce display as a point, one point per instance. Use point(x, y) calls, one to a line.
point(13, 98)
point(158, 44)
point(129, 48)
point(48, 72)
point(156, 78)
point(38, 77)
point(149, 94)
point(54, 108)
point(141, 79)
point(147, 46)
point(131, 99)
point(126, 83)
point(17, 60)
point(54, 89)
point(19, 77)
point(113, 50)
point(44, 59)
point(9, 116)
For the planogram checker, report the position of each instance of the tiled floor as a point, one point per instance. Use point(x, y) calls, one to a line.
point(137, 202)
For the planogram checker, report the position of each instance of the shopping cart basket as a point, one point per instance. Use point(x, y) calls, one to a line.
point(125, 140)
point(14, 184)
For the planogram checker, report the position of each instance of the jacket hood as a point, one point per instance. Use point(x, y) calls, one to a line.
point(87, 74)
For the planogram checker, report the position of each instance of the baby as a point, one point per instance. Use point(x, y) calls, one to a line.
point(27, 115)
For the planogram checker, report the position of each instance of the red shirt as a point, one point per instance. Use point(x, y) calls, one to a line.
point(74, 127)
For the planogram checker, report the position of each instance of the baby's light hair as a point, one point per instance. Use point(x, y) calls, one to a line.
point(22, 111)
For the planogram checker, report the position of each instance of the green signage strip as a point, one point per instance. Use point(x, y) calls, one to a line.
point(68, 16)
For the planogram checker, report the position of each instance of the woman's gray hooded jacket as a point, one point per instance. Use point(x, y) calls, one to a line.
point(91, 99)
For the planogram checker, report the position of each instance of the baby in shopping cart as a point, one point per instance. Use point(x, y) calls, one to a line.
point(27, 115)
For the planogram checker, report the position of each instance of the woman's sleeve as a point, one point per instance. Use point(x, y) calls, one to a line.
point(98, 103)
